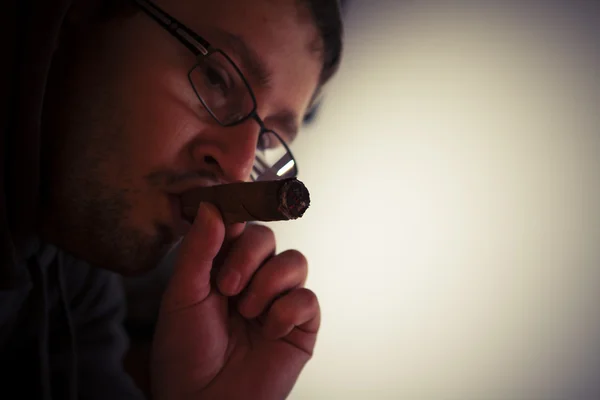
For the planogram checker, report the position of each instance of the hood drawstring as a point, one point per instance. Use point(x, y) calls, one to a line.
point(39, 280)
point(69, 319)
point(38, 277)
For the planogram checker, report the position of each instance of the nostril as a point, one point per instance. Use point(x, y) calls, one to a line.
point(210, 160)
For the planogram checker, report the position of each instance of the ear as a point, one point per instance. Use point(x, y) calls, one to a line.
point(85, 12)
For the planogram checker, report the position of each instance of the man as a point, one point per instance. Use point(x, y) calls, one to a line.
point(111, 109)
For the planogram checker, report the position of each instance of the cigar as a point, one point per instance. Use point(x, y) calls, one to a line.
point(280, 200)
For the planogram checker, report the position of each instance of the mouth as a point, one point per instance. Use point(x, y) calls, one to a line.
point(183, 224)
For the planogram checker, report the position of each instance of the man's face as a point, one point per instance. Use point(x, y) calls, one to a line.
point(126, 133)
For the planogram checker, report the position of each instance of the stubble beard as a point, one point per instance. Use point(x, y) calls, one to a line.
point(93, 226)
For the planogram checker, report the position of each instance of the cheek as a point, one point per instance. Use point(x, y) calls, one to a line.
point(162, 119)
point(151, 87)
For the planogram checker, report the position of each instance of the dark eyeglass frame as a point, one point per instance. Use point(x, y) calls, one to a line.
point(200, 47)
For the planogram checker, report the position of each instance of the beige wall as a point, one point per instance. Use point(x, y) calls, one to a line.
point(454, 236)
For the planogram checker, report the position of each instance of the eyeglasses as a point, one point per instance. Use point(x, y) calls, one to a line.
point(226, 95)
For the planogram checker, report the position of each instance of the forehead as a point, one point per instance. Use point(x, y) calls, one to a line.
point(280, 32)
point(244, 15)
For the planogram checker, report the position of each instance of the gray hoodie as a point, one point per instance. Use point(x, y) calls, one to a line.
point(61, 334)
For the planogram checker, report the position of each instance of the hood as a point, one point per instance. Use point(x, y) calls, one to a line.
point(30, 32)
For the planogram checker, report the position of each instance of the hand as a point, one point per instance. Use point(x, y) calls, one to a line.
point(235, 321)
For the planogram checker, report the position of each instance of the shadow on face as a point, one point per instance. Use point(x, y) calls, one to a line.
point(126, 134)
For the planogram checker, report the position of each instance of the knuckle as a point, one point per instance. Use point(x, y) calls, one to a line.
point(245, 257)
point(272, 279)
point(256, 243)
point(288, 269)
point(282, 312)
point(263, 232)
point(295, 258)
point(310, 299)
point(275, 285)
point(287, 308)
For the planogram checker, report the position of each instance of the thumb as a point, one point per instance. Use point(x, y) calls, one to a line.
point(190, 283)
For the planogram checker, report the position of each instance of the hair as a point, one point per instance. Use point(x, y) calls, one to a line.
point(328, 19)
point(326, 15)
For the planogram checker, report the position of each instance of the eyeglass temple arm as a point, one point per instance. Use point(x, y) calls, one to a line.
point(185, 35)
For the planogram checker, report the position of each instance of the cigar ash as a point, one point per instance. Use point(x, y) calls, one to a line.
point(294, 199)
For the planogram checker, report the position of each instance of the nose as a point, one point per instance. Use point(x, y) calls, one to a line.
point(233, 150)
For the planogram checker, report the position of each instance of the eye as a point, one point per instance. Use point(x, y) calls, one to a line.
point(265, 141)
point(268, 141)
point(217, 80)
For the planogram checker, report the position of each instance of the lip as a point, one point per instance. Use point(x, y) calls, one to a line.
point(177, 190)
point(182, 224)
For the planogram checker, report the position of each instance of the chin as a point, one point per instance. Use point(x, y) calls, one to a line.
point(130, 253)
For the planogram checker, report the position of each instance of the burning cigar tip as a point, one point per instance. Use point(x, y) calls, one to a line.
point(294, 199)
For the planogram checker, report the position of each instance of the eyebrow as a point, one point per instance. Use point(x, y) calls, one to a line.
point(286, 119)
point(249, 58)
point(251, 61)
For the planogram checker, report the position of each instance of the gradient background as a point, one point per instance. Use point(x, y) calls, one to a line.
point(454, 236)
point(454, 231)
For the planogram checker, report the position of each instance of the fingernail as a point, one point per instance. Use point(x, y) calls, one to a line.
point(231, 281)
